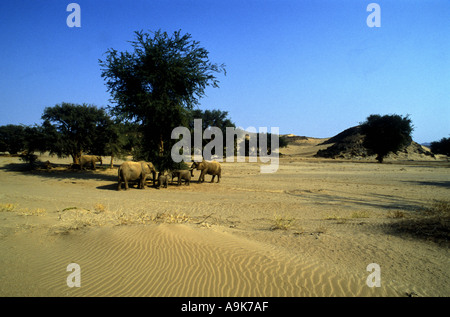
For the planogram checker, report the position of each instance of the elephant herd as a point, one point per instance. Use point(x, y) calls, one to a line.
point(139, 171)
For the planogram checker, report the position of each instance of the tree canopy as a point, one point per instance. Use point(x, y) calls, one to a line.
point(388, 133)
point(73, 129)
point(441, 147)
point(12, 138)
point(157, 84)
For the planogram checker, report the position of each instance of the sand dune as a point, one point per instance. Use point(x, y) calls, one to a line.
point(172, 260)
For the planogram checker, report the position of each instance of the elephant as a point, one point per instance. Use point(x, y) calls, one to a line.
point(90, 160)
point(135, 171)
point(182, 174)
point(211, 168)
point(163, 180)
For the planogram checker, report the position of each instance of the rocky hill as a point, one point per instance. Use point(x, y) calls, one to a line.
point(349, 145)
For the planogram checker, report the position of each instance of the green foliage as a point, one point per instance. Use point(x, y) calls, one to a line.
point(12, 138)
point(35, 141)
point(210, 118)
point(384, 134)
point(441, 147)
point(283, 142)
point(156, 85)
point(73, 129)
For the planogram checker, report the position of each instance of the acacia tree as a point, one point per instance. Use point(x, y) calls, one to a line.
point(156, 85)
point(73, 129)
point(384, 134)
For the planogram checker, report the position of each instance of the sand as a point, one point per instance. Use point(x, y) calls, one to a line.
point(310, 229)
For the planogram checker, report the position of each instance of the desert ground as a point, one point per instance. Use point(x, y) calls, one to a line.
point(310, 229)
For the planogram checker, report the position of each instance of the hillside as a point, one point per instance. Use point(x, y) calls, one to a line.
point(348, 144)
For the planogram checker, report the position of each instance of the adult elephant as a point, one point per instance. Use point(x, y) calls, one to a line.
point(135, 171)
point(211, 168)
point(90, 160)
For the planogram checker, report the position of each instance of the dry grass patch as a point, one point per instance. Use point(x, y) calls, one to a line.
point(7, 207)
point(339, 220)
point(360, 214)
point(74, 218)
point(430, 222)
point(282, 222)
point(396, 214)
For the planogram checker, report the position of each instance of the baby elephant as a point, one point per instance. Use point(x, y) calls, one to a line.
point(163, 180)
point(182, 174)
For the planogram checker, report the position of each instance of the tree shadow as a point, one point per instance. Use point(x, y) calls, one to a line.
point(60, 171)
point(445, 184)
point(108, 187)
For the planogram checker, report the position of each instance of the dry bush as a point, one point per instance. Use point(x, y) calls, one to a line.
point(282, 223)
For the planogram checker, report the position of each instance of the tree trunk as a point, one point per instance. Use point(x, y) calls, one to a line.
point(76, 158)
point(112, 159)
point(161, 145)
point(380, 158)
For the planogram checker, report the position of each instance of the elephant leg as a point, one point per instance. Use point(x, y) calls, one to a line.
point(119, 186)
point(218, 178)
point(201, 178)
point(126, 183)
point(212, 179)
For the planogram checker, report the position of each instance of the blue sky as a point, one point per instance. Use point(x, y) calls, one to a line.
point(311, 68)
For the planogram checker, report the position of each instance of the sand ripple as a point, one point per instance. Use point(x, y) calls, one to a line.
point(175, 260)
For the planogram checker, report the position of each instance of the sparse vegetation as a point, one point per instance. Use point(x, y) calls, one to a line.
point(396, 214)
point(431, 222)
point(353, 215)
point(360, 214)
point(282, 223)
point(8, 207)
point(74, 218)
point(99, 208)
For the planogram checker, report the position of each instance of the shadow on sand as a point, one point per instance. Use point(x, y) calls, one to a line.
point(62, 171)
point(445, 184)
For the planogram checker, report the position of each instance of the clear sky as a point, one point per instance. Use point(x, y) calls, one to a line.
point(311, 68)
